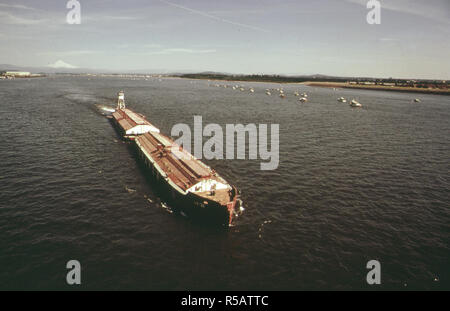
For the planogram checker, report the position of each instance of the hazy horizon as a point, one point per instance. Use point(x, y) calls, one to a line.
point(327, 37)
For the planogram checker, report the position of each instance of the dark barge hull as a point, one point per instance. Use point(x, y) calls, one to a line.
point(196, 208)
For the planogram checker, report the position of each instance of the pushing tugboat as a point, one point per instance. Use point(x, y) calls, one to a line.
point(192, 187)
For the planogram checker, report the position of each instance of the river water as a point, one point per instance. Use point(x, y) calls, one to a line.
point(352, 185)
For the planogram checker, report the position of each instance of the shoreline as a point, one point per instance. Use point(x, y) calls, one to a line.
point(231, 80)
point(435, 91)
point(379, 88)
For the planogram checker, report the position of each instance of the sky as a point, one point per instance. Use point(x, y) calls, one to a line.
point(291, 37)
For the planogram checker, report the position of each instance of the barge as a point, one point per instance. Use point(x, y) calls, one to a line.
point(192, 187)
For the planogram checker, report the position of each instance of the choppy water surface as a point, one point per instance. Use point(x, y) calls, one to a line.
point(352, 185)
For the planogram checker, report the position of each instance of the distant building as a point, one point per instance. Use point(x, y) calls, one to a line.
point(16, 73)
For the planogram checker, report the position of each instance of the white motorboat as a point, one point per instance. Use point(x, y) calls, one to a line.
point(354, 103)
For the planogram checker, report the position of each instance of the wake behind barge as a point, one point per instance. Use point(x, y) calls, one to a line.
point(192, 187)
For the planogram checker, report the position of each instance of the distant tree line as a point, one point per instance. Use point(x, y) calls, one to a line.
point(260, 78)
point(297, 79)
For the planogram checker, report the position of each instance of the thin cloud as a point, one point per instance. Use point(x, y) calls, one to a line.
point(8, 18)
point(437, 10)
point(152, 45)
point(17, 6)
point(215, 17)
point(71, 53)
point(179, 50)
point(388, 39)
point(112, 18)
